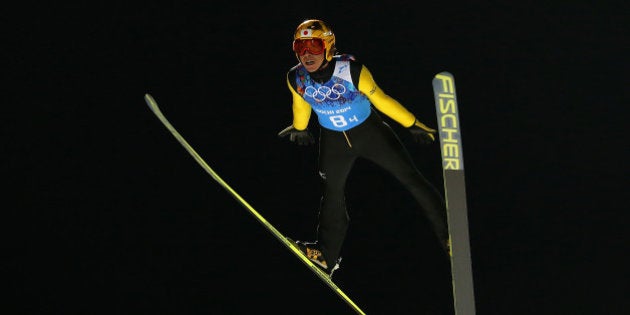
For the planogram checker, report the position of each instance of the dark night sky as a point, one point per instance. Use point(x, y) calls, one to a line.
point(111, 215)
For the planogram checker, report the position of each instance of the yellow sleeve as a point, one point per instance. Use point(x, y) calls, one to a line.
point(301, 109)
point(383, 102)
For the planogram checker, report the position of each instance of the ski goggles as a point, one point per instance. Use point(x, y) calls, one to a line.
point(314, 46)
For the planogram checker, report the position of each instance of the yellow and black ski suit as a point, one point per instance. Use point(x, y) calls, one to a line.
point(346, 100)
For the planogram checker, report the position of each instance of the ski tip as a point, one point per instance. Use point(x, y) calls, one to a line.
point(149, 100)
point(445, 73)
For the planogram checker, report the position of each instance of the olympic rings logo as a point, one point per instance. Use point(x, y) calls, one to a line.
point(323, 92)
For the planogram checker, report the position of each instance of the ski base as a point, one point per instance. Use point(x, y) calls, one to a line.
point(454, 192)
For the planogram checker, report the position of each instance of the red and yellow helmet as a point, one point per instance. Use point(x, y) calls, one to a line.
point(314, 35)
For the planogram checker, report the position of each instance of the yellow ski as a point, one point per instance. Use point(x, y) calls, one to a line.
point(289, 244)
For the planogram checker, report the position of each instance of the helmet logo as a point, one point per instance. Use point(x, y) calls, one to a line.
point(312, 29)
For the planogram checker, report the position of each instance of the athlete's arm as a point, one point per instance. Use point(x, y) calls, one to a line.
point(301, 109)
point(383, 102)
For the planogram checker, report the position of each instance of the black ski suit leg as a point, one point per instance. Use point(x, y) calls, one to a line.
point(335, 162)
point(388, 152)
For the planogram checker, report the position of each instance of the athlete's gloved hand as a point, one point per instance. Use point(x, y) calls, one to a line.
point(421, 133)
point(301, 137)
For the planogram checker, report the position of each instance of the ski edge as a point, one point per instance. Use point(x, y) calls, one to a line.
point(321, 274)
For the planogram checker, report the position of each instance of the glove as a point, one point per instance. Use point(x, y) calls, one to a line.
point(422, 134)
point(302, 137)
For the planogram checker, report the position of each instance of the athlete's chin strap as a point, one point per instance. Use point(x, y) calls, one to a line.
point(323, 65)
point(323, 73)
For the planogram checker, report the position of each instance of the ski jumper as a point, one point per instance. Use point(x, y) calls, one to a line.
point(344, 95)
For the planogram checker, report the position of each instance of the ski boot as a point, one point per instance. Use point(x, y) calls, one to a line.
point(313, 253)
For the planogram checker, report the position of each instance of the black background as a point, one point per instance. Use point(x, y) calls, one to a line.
point(109, 214)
